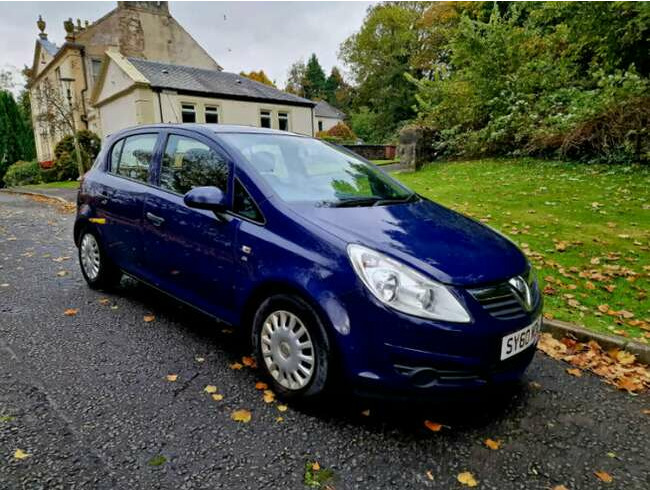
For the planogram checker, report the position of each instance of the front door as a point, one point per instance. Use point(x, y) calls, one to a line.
point(190, 252)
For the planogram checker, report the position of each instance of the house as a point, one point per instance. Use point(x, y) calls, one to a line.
point(132, 91)
point(326, 116)
point(137, 65)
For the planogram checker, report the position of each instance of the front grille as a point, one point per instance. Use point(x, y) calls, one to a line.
point(502, 302)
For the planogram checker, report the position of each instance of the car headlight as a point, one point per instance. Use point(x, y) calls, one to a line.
point(404, 289)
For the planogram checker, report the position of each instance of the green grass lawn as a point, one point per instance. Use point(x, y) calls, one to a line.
point(586, 228)
point(385, 162)
point(68, 184)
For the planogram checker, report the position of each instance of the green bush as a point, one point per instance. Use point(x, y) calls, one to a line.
point(22, 173)
point(65, 155)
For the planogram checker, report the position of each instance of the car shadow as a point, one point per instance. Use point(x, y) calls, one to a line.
point(342, 405)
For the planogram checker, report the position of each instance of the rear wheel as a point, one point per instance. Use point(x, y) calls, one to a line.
point(97, 269)
point(291, 346)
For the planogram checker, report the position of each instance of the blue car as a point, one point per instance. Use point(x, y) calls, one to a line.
point(338, 272)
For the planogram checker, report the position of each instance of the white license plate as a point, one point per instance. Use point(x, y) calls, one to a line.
point(521, 339)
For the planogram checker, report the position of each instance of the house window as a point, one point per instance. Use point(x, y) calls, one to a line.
point(283, 121)
point(211, 114)
point(188, 113)
point(320, 126)
point(265, 119)
point(95, 68)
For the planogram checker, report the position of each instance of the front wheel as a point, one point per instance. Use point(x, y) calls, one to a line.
point(97, 269)
point(291, 346)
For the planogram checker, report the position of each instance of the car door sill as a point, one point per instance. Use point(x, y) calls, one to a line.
point(147, 283)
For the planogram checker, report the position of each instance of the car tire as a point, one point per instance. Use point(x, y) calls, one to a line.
point(98, 270)
point(291, 346)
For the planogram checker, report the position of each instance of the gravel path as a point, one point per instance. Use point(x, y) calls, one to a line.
point(86, 396)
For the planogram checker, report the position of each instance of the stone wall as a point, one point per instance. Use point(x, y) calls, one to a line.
point(374, 152)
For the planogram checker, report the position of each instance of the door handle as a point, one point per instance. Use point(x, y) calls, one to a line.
point(155, 220)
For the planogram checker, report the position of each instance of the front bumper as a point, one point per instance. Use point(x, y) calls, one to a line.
point(387, 350)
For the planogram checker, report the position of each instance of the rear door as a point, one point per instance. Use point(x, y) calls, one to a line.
point(190, 252)
point(122, 189)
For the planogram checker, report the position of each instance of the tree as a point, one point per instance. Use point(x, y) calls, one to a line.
point(258, 76)
point(296, 79)
point(25, 108)
point(13, 133)
point(314, 79)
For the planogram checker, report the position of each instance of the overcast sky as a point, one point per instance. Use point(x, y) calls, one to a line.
point(238, 35)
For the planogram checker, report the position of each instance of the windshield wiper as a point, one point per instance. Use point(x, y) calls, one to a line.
point(397, 200)
point(357, 201)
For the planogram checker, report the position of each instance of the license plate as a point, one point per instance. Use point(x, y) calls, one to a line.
point(520, 340)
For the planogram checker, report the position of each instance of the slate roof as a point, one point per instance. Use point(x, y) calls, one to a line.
point(49, 46)
point(323, 109)
point(213, 82)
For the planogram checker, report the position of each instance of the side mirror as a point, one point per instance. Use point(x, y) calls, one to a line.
point(209, 198)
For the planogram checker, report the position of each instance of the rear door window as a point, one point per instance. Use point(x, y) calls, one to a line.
point(135, 155)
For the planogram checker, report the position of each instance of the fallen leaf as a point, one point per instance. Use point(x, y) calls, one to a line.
point(269, 396)
point(241, 416)
point(279, 419)
point(315, 466)
point(171, 377)
point(20, 454)
point(71, 311)
point(210, 389)
point(625, 357)
point(236, 365)
point(248, 361)
point(492, 444)
point(603, 308)
point(199, 359)
point(645, 411)
point(432, 426)
point(429, 475)
point(559, 487)
point(260, 385)
point(467, 479)
point(365, 413)
point(604, 476)
point(62, 273)
point(217, 397)
point(574, 372)
point(282, 408)
point(104, 301)
point(149, 318)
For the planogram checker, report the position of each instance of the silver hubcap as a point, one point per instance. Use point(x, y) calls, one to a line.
point(90, 256)
point(287, 350)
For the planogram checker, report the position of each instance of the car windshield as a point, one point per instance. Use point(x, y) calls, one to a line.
point(307, 170)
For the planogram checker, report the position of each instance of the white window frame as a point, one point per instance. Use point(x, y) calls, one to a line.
point(288, 119)
point(270, 116)
point(187, 111)
point(212, 109)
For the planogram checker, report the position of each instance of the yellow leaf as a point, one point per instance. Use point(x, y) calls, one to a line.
point(104, 301)
point(217, 397)
point(71, 311)
point(236, 365)
point(604, 476)
point(199, 359)
point(61, 273)
point(366, 413)
point(241, 416)
point(20, 454)
point(574, 372)
point(149, 318)
point(210, 389)
point(172, 377)
point(429, 475)
point(625, 357)
point(279, 419)
point(269, 396)
point(261, 386)
point(559, 487)
point(282, 408)
point(432, 426)
point(248, 361)
point(466, 478)
point(492, 444)
point(315, 466)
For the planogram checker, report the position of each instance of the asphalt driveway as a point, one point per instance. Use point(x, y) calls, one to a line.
point(87, 397)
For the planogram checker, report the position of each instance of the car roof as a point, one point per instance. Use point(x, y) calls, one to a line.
point(208, 129)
